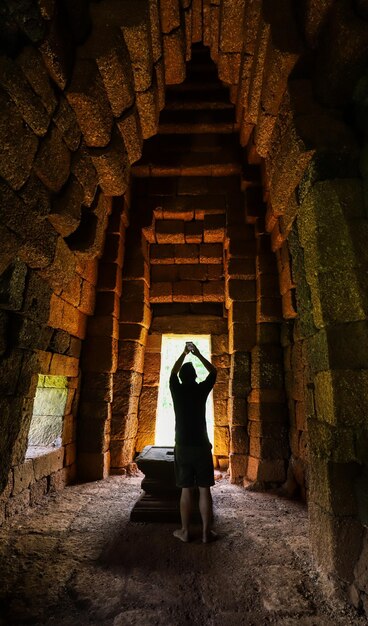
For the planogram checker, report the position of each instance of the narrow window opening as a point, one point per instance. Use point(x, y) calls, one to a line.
point(171, 348)
point(48, 413)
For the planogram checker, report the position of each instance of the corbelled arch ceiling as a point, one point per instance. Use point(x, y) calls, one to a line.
point(82, 86)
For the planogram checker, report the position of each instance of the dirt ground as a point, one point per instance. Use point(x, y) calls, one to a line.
point(78, 560)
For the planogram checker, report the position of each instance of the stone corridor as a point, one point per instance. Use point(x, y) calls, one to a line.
point(78, 560)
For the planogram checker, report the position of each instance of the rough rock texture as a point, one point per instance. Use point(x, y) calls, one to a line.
point(97, 561)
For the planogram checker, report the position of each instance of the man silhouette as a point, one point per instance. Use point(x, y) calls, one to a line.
point(193, 450)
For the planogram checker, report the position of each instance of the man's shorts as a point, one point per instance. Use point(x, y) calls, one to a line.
point(194, 466)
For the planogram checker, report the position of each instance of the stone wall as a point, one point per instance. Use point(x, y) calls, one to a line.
point(81, 87)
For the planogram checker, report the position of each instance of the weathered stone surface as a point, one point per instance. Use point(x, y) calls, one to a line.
point(66, 122)
point(147, 105)
point(85, 172)
point(28, 103)
point(56, 51)
point(130, 128)
point(174, 57)
point(12, 285)
point(52, 163)
point(18, 145)
point(65, 213)
point(88, 98)
point(231, 25)
point(32, 66)
point(112, 166)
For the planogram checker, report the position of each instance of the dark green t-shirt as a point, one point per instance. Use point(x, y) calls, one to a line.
point(190, 410)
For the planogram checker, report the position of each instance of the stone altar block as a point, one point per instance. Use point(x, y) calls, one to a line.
point(160, 502)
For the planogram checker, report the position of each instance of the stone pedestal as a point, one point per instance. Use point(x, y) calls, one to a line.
point(160, 502)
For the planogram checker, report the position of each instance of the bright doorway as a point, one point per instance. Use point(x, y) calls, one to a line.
point(171, 348)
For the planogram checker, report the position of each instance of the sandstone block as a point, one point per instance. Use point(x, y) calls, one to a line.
point(130, 128)
point(85, 172)
point(269, 310)
point(52, 163)
point(112, 166)
point(28, 103)
point(134, 332)
point(240, 290)
point(213, 291)
point(187, 291)
point(87, 96)
point(147, 105)
point(123, 406)
point(152, 364)
point(65, 214)
point(193, 232)
point(341, 396)
point(243, 269)
point(186, 253)
point(134, 291)
point(100, 355)
point(46, 464)
point(238, 440)
point(241, 337)
point(93, 465)
point(154, 343)
point(221, 443)
point(170, 231)
point(210, 253)
point(161, 292)
point(220, 413)
point(192, 272)
point(107, 303)
point(124, 427)
point(23, 476)
point(69, 429)
point(127, 384)
point(136, 313)
point(174, 57)
point(100, 411)
point(238, 467)
point(162, 254)
point(265, 471)
point(219, 344)
point(122, 453)
point(33, 68)
point(131, 356)
point(237, 409)
point(214, 228)
point(267, 412)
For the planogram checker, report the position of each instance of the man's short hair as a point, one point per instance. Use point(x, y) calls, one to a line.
point(187, 373)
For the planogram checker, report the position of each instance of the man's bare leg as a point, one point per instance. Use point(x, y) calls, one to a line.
point(205, 509)
point(186, 508)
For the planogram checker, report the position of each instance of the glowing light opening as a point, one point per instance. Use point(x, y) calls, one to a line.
point(171, 348)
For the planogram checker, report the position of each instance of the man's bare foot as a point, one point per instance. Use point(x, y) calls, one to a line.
point(209, 537)
point(181, 534)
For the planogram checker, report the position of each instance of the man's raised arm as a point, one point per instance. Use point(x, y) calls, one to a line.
point(208, 365)
point(177, 365)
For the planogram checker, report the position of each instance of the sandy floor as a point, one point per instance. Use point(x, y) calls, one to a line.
point(78, 560)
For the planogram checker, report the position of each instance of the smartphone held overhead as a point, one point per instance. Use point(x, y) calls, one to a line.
point(190, 346)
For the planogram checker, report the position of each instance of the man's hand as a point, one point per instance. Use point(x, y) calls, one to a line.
point(195, 350)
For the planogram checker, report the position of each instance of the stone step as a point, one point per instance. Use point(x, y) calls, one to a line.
point(210, 103)
point(225, 163)
point(174, 144)
point(202, 121)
